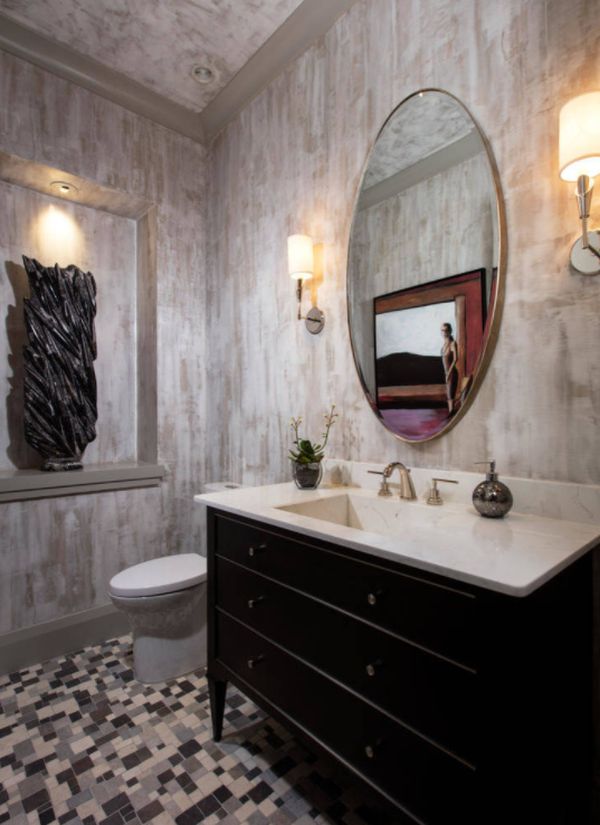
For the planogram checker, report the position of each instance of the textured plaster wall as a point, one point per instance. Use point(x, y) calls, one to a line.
point(57, 555)
point(291, 162)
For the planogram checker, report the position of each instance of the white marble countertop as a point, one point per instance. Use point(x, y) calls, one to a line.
point(514, 555)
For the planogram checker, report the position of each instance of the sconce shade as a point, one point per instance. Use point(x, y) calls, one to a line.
point(579, 140)
point(300, 257)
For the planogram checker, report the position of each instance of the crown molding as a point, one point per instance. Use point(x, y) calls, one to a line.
point(82, 70)
point(306, 24)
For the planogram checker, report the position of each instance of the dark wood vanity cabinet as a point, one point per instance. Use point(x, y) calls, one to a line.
point(455, 703)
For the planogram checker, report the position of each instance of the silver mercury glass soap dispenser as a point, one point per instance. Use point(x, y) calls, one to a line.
point(491, 497)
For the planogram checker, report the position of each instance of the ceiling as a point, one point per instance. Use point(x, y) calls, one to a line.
point(157, 42)
point(419, 127)
point(140, 53)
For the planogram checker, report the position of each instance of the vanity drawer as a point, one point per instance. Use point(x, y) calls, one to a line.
point(429, 783)
point(432, 695)
point(427, 610)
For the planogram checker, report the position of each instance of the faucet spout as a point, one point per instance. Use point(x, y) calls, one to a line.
point(407, 488)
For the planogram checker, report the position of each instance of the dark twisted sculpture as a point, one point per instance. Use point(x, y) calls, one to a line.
point(60, 383)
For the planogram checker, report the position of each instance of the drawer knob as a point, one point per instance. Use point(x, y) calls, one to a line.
point(252, 663)
point(373, 667)
point(371, 750)
point(255, 548)
point(372, 597)
point(254, 602)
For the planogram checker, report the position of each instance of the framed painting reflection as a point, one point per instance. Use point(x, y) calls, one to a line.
point(428, 341)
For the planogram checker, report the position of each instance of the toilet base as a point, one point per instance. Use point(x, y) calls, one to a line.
point(169, 633)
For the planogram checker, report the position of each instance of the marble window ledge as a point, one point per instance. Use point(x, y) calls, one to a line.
point(22, 485)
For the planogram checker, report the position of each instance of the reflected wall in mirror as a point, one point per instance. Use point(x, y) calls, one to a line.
point(425, 266)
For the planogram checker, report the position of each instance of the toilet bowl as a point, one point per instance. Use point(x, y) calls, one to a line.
point(165, 602)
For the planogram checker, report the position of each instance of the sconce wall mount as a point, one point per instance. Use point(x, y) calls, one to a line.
point(301, 268)
point(579, 154)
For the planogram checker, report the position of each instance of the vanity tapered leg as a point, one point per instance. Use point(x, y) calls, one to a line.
point(216, 695)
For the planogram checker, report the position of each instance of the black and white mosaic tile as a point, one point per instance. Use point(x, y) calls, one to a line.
point(82, 742)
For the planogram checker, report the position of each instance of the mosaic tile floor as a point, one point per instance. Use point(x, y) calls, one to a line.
point(82, 742)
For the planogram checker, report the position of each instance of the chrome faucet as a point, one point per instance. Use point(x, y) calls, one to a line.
point(407, 488)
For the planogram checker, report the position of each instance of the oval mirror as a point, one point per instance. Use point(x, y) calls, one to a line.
point(426, 266)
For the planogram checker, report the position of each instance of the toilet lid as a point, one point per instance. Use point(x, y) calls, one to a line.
point(164, 575)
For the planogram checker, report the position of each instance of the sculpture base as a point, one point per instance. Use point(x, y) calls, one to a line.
point(61, 464)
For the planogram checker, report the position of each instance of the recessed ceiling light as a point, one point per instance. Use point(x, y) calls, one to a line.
point(203, 74)
point(63, 187)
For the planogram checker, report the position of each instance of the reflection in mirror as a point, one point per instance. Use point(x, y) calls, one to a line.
point(423, 266)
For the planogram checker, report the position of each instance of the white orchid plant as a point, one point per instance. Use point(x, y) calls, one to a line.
point(304, 451)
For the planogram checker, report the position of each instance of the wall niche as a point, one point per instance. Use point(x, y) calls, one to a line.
point(112, 234)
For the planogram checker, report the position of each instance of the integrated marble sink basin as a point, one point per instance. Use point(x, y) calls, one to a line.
point(451, 530)
point(388, 516)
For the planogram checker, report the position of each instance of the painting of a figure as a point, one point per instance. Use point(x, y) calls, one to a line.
point(450, 361)
point(427, 343)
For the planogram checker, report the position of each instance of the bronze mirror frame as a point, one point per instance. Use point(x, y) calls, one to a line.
point(489, 345)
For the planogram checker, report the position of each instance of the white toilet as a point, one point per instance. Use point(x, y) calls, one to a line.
point(165, 601)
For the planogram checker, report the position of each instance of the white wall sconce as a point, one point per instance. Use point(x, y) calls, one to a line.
point(301, 267)
point(579, 160)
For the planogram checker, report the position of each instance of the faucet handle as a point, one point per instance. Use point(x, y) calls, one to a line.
point(434, 494)
point(384, 490)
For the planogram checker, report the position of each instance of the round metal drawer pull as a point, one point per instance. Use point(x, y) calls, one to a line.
point(253, 550)
point(372, 597)
point(256, 661)
point(370, 752)
point(254, 602)
point(372, 667)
